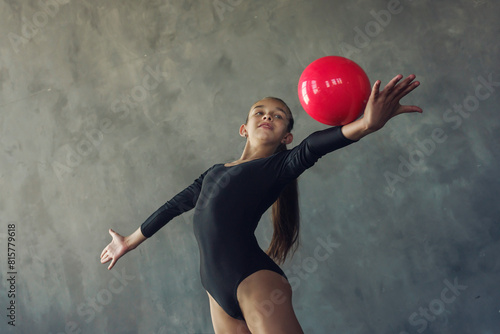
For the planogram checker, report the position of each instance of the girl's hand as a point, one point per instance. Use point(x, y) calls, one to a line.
point(384, 105)
point(116, 249)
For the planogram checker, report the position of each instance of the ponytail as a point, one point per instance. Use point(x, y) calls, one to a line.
point(286, 221)
point(285, 213)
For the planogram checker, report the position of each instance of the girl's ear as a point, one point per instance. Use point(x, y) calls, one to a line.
point(243, 130)
point(287, 139)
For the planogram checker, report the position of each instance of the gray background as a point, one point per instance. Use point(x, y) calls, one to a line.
point(90, 140)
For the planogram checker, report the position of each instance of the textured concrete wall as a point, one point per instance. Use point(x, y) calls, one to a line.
point(109, 108)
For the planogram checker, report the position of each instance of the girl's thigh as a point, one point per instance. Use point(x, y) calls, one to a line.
point(223, 323)
point(265, 298)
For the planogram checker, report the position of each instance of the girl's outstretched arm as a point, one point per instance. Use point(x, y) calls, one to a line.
point(120, 245)
point(182, 202)
point(382, 106)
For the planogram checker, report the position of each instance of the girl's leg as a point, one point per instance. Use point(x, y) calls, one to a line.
point(265, 298)
point(223, 323)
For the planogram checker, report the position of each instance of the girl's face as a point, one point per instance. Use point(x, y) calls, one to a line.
point(268, 121)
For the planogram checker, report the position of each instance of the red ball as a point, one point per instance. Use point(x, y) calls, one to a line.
point(334, 90)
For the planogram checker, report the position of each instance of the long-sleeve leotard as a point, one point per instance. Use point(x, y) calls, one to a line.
point(229, 202)
point(301, 157)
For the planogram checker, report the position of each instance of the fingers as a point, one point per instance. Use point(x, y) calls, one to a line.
point(400, 89)
point(375, 89)
point(410, 87)
point(409, 109)
point(104, 252)
point(105, 255)
point(407, 86)
point(105, 259)
point(108, 258)
point(106, 248)
point(112, 264)
point(389, 87)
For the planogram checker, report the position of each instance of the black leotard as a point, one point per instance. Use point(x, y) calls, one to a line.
point(229, 202)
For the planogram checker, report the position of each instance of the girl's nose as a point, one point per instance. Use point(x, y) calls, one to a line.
point(267, 117)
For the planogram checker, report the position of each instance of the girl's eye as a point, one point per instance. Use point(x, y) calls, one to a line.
point(278, 116)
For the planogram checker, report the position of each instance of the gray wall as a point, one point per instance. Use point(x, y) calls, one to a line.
point(90, 139)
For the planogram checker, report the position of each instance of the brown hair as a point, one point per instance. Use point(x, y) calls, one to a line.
point(285, 211)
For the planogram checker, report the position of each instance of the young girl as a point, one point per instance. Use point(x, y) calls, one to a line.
point(248, 291)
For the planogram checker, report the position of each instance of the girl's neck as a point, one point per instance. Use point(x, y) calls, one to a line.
point(255, 152)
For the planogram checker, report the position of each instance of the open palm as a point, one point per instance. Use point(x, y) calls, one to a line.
point(115, 249)
point(384, 105)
